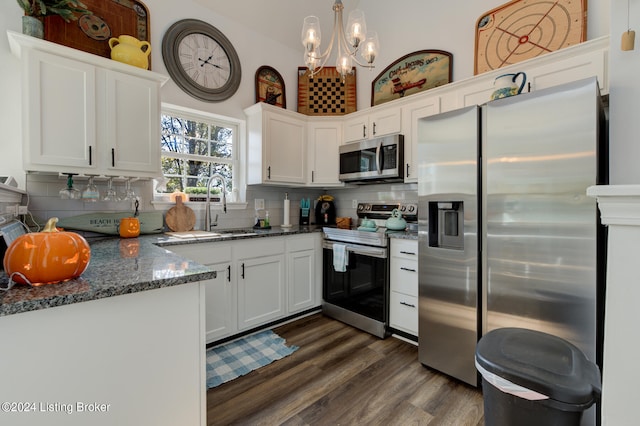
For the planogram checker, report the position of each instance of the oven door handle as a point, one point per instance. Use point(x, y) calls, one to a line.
point(362, 250)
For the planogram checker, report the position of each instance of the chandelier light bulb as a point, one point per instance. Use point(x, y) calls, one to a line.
point(343, 65)
point(370, 48)
point(311, 35)
point(356, 28)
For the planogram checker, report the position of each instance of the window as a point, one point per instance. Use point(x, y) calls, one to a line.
point(196, 145)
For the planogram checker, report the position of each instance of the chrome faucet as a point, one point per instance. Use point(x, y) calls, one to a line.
point(207, 212)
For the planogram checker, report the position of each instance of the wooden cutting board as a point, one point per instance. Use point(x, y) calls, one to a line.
point(180, 218)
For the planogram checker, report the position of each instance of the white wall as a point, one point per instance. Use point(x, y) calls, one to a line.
point(624, 96)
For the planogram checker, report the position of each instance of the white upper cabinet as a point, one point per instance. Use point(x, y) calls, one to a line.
point(324, 138)
point(276, 145)
point(83, 113)
point(411, 113)
point(381, 121)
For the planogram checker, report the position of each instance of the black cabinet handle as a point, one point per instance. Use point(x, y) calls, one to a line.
point(269, 172)
point(229, 273)
point(407, 269)
point(90, 156)
point(312, 176)
point(364, 131)
point(113, 157)
point(242, 271)
point(407, 252)
point(408, 304)
point(407, 169)
point(374, 129)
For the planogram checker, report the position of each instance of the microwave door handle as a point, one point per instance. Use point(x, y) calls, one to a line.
point(378, 159)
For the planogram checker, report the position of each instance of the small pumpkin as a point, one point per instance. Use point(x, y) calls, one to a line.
point(47, 257)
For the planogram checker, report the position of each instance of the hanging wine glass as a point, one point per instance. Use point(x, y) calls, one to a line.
point(110, 194)
point(69, 192)
point(90, 193)
point(129, 194)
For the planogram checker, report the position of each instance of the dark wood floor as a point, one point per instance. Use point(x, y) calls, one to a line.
point(342, 376)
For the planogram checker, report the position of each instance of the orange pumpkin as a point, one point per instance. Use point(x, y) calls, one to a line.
point(47, 257)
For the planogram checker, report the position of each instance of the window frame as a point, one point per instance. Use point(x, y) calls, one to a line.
point(239, 127)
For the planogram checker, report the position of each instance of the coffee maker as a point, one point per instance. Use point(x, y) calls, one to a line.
point(325, 211)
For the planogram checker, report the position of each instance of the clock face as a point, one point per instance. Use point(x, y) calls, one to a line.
point(201, 60)
point(204, 61)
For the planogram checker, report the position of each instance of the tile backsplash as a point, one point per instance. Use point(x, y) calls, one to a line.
point(44, 200)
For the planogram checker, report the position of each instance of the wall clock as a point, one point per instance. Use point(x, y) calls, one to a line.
point(201, 60)
point(524, 29)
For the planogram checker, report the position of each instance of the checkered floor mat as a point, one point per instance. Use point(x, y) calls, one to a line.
point(234, 359)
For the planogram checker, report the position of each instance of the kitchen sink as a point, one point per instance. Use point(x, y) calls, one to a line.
point(201, 235)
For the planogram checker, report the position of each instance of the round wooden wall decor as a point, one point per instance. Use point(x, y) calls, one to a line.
point(524, 29)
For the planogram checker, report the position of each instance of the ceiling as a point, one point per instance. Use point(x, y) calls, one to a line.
point(280, 20)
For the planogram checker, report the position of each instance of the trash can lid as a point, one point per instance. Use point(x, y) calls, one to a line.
point(541, 362)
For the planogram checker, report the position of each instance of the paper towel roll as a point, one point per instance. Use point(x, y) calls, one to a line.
point(285, 222)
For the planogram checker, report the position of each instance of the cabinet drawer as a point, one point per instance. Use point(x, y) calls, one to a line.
point(403, 312)
point(404, 276)
point(407, 249)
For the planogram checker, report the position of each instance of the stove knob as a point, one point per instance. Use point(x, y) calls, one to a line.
point(403, 208)
point(412, 208)
point(360, 207)
point(367, 207)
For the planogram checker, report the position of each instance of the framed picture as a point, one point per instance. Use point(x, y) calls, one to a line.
point(327, 93)
point(270, 87)
point(413, 73)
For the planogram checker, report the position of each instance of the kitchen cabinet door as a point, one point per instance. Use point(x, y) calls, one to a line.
point(221, 304)
point(304, 276)
point(221, 319)
point(324, 138)
point(132, 125)
point(277, 146)
point(59, 121)
point(411, 113)
point(260, 272)
point(374, 123)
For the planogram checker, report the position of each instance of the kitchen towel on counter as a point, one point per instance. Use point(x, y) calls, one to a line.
point(340, 257)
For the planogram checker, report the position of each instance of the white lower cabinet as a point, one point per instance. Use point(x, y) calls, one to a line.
point(220, 292)
point(403, 298)
point(304, 271)
point(258, 280)
point(261, 280)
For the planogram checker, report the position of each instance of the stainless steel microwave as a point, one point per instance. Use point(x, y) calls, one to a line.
point(374, 160)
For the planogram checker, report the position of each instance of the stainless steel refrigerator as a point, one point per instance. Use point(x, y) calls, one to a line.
point(507, 235)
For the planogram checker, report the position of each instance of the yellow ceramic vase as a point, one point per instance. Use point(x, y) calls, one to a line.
point(130, 50)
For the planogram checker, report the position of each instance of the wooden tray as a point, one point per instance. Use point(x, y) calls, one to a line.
point(91, 33)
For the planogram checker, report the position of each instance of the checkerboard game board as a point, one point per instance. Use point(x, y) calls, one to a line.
point(326, 93)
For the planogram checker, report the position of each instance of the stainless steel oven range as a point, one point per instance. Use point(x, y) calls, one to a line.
point(356, 268)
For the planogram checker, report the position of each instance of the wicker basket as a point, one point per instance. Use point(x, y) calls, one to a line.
point(343, 222)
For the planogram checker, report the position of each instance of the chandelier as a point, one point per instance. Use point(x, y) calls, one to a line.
point(350, 43)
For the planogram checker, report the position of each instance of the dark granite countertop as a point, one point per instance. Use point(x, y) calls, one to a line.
point(123, 266)
point(403, 235)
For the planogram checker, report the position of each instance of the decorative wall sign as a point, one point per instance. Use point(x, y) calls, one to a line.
point(91, 33)
point(524, 29)
point(270, 87)
point(413, 73)
point(326, 93)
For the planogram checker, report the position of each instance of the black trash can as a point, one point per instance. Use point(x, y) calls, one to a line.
point(534, 378)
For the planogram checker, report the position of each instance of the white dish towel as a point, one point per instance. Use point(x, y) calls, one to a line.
point(340, 257)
